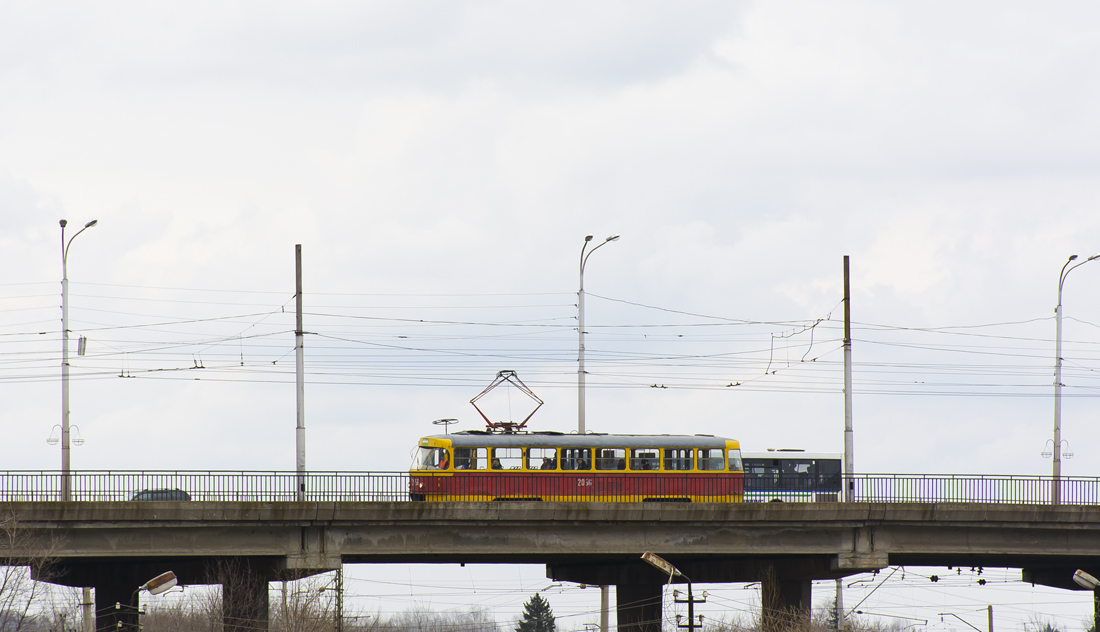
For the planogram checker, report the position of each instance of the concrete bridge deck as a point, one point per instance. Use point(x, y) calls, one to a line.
point(317, 535)
point(594, 543)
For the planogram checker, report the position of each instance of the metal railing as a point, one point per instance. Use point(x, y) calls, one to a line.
point(226, 486)
point(241, 486)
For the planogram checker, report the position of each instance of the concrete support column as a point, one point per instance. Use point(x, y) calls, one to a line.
point(244, 582)
point(112, 589)
point(638, 607)
point(784, 602)
point(245, 603)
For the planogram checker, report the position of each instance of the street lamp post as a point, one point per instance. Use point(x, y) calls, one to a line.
point(580, 328)
point(66, 477)
point(665, 566)
point(1088, 582)
point(1056, 484)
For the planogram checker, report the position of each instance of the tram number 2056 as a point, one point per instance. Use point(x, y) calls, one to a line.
point(584, 482)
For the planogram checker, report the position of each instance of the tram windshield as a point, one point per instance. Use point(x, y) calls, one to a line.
point(430, 459)
point(735, 460)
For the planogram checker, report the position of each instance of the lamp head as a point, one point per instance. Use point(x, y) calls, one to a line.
point(588, 237)
point(91, 223)
point(1095, 256)
point(64, 223)
point(160, 583)
point(1072, 257)
point(660, 564)
point(1084, 580)
point(612, 238)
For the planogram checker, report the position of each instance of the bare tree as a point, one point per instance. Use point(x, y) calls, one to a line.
point(420, 620)
point(22, 553)
point(57, 610)
point(198, 609)
point(1036, 623)
point(818, 623)
point(306, 605)
point(244, 599)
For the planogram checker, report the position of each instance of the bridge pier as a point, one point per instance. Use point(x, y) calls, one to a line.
point(784, 602)
point(116, 583)
point(245, 605)
point(638, 607)
point(244, 581)
point(785, 586)
point(116, 602)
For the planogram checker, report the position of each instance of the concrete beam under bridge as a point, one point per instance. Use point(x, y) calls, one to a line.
point(713, 570)
point(312, 536)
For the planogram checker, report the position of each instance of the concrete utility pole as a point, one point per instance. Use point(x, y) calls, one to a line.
point(849, 433)
point(87, 606)
point(340, 598)
point(604, 603)
point(690, 601)
point(66, 475)
point(300, 378)
point(1056, 484)
point(839, 605)
point(580, 329)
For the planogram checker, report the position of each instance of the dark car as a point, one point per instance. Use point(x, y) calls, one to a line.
point(161, 494)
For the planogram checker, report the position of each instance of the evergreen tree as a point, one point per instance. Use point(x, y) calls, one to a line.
point(537, 616)
point(830, 615)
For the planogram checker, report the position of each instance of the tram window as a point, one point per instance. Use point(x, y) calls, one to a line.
point(711, 459)
point(644, 459)
point(471, 458)
point(576, 459)
point(542, 459)
point(430, 459)
point(735, 460)
point(507, 458)
point(611, 459)
point(678, 459)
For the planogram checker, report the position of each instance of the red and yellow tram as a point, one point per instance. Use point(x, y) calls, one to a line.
point(485, 466)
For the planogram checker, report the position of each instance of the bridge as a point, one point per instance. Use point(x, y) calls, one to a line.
point(255, 521)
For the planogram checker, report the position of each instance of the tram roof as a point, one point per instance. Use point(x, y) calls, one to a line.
point(467, 438)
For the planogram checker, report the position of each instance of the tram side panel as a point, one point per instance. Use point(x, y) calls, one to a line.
point(576, 487)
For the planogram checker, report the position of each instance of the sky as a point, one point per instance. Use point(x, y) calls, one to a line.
point(440, 166)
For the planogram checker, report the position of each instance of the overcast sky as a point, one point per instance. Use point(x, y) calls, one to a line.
point(440, 165)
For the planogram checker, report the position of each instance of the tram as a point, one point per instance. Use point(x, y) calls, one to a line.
point(476, 465)
point(792, 476)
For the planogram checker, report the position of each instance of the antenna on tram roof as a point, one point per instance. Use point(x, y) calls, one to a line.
point(445, 423)
point(507, 427)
